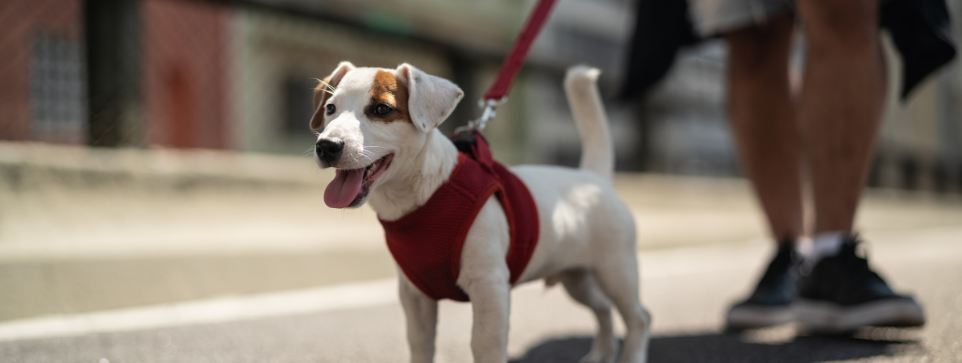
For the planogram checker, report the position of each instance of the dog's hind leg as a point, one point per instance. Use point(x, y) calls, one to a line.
point(618, 278)
point(421, 314)
point(583, 288)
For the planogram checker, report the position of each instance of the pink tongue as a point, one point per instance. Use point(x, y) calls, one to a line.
point(344, 188)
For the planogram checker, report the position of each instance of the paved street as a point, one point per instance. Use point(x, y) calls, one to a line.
point(209, 264)
point(686, 289)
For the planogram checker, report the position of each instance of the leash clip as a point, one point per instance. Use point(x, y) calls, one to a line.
point(489, 105)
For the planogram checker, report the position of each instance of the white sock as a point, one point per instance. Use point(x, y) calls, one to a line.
point(825, 244)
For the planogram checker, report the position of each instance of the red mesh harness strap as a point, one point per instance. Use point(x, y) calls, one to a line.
point(427, 242)
point(519, 208)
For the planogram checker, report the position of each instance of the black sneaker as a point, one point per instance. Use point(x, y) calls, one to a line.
point(841, 294)
point(771, 302)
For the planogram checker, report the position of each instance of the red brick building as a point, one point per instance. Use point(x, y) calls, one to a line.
point(36, 38)
point(177, 96)
point(185, 73)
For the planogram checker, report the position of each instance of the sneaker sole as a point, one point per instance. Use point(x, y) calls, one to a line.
point(744, 317)
point(825, 317)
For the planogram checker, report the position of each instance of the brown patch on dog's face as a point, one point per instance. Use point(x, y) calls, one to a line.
point(389, 99)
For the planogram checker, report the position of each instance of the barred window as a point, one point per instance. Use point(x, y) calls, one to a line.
point(57, 90)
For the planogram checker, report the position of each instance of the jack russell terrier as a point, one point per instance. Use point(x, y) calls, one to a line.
point(463, 227)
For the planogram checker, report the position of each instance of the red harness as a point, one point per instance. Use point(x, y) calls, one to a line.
point(427, 242)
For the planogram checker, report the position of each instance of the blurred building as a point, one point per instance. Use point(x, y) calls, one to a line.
point(42, 73)
point(116, 72)
point(239, 75)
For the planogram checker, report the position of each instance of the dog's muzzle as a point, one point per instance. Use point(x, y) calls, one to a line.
point(328, 150)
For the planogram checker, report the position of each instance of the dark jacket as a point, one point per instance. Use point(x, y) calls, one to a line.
point(920, 29)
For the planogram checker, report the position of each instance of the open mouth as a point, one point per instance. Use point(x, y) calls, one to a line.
point(350, 187)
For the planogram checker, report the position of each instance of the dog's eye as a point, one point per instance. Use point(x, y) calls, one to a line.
point(382, 109)
point(330, 109)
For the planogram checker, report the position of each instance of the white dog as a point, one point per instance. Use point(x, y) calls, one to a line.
point(379, 132)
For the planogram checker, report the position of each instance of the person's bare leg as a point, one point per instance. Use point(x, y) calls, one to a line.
point(762, 119)
point(839, 110)
point(840, 105)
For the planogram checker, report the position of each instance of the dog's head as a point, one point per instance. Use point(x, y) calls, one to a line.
point(372, 118)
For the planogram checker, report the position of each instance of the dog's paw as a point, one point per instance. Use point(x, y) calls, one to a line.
point(595, 356)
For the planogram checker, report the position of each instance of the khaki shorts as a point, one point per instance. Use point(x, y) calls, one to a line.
point(713, 17)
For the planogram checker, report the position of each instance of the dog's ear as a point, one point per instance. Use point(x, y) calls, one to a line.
point(430, 99)
point(322, 92)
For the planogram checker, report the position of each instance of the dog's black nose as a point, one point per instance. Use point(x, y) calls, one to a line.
point(329, 150)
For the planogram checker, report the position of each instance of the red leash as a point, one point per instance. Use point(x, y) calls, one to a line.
point(519, 51)
point(498, 92)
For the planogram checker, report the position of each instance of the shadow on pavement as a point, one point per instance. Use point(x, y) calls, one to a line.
point(719, 347)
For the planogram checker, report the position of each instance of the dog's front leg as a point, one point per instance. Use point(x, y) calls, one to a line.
point(491, 304)
point(421, 313)
point(485, 278)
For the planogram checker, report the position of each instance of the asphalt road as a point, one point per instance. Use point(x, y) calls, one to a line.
point(686, 289)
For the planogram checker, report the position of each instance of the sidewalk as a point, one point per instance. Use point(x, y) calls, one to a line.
point(86, 230)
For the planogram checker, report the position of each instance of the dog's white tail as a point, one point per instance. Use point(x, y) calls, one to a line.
point(597, 151)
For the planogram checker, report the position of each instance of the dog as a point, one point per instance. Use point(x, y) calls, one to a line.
point(378, 129)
